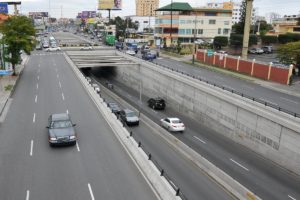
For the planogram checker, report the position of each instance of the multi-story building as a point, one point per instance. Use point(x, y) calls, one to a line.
point(145, 23)
point(189, 23)
point(236, 10)
point(287, 24)
point(146, 7)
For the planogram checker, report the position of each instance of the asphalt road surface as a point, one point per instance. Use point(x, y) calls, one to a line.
point(97, 168)
point(261, 176)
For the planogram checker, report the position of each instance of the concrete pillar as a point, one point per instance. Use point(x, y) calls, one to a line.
point(204, 56)
point(247, 28)
point(225, 60)
point(214, 62)
point(290, 74)
point(252, 67)
point(269, 71)
point(238, 64)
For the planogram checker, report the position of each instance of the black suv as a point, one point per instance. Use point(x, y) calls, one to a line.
point(114, 107)
point(157, 103)
point(61, 130)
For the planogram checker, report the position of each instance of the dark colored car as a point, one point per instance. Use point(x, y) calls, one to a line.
point(114, 107)
point(61, 130)
point(148, 56)
point(129, 117)
point(157, 103)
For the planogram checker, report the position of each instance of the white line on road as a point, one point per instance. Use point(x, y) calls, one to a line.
point(35, 100)
point(270, 102)
point(38, 77)
point(31, 148)
point(67, 111)
point(27, 194)
point(37, 86)
point(292, 197)
point(199, 139)
point(33, 120)
point(239, 164)
point(91, 192)
point(59, 84)
point(289, 100)
point(62, 95)
point(77, 147)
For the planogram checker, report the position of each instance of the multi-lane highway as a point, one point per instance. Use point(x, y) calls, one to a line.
point(97, 168)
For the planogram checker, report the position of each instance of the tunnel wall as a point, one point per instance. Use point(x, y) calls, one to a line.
point(271, 133)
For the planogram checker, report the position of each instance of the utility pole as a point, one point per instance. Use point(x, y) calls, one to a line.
point(171, 22)
point(247, 28)
point(195, 32)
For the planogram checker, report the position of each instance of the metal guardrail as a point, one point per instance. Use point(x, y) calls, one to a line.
point(268, 104)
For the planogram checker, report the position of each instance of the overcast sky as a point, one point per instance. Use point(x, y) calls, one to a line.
point(70, 8)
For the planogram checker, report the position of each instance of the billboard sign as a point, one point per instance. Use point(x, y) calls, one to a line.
point(88, 14)
point(109, 4)
point(38, 15)
point(3, 8)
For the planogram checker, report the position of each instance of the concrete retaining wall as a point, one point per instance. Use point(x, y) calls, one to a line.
point(264, 130)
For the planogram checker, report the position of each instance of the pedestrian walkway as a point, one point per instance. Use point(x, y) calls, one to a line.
point(293, 89)
point(7, 84)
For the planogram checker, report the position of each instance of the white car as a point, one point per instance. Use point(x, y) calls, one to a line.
point(172, 124)
point(53, 49)
point(86, 48)
point(96, 87)
point(130, 52)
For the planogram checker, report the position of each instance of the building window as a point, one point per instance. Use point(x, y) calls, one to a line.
point(200, 31)
point(188, 21)
point(226, 22)
point(188, 31)
point(296, 29)
point(181, 31)
point(146, 22)
point(212, 21)
point(219, 31)
point(225, 31)
point(182, 22)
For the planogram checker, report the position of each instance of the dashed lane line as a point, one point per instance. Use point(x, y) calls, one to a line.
point(238, 164)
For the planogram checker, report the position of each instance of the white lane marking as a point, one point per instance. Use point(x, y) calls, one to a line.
point(37, 86)
point(38, 77)
point(33, 120)
point(27, 194)
point(270, 102)
point(291, 197)
point(35, 100)
point(62, 95)
point(59, 84)
point(67, 111)
point(91, 192)
point(199, 139)
point(77, 147)
point(289, 100)
point(239, 164)
point(31, 148)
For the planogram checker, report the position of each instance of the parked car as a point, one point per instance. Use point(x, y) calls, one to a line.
point(172, 124)
point(129, 117)
point(157, 103)
point(39, 47)
point(145, 49)
point(149, 56)
point(53, 49)
point(96, 87)
point(61, 130)
point(267, 49)
point(256, 51)
point(86, 47)
point(45, 45)
point(130, 52)
point(114, 107)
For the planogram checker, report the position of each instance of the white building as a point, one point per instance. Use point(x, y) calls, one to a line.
point(144, 22)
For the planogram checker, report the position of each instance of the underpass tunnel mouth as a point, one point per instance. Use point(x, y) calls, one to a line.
point(108, 72)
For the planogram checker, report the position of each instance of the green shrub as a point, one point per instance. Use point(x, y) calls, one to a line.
point(269, 39)
point(8, 87)
point(289, 37)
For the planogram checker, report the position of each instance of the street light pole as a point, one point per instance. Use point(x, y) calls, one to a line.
point(195, 31)
point(171, 21)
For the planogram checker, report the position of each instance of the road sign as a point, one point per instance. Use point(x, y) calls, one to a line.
point(3, 7)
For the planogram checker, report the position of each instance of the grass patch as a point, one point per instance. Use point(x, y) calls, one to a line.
point(171, 54)
point(8, 87)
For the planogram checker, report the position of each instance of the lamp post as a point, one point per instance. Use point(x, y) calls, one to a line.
point(195, 31)
point(171, 21)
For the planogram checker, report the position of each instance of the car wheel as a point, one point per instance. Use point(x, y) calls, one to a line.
point(169, 129)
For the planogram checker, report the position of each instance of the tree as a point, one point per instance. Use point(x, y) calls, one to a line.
point(122, 25)
point(289, 53)
point(236, 40)
point(264, 27)
point(18, 34)
point(220, 41)
point(269, 39)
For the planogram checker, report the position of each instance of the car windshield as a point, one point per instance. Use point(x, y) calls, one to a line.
point(130, 114)
point(61, 124)
point(176, 121)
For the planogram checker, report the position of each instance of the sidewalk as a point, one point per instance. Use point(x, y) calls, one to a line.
point(7, 85)
point(293, 89)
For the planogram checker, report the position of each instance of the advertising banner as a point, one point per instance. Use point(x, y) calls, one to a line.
point(38, 15)
point(3, 8)
point(109, 4)
point(88, 14)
